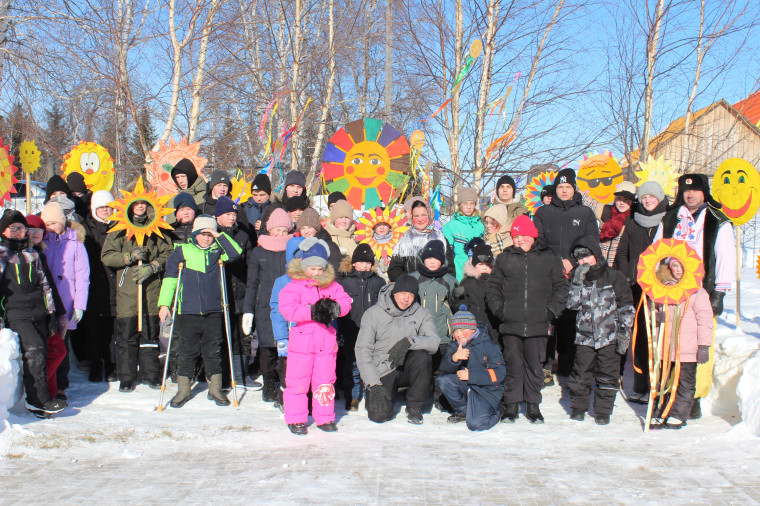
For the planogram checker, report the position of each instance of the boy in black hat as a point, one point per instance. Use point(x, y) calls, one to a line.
point(261, 191)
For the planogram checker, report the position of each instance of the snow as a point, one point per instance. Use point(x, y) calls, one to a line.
point(748, 391)
point(9, 370)
point(114, 447)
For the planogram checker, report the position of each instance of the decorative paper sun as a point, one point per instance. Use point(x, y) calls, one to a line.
point(165, 157)
point(368, 161)
point(241, 190)
point(659, 171)
point(29, 157)
point(121, 217)
point(736, 186)
point(372, 217)
point(533, 189)
point(598, 175)
point(758, 266)
point(7, 172)
point(93, 162)
point(647, 271)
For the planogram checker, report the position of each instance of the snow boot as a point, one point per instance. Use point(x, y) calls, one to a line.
point(533, 414)
point(183, 392)
point(328, 427)
point(269, 393)
point(602, 419)
point(299, 429)
point(414, 416)
point(215, 391)
point(578, 415)
point(47, 408)
point(96, 372)
point(126, 386)
point(510, 412)
point(696, 410)
point(353, 405)
point(457, 417)
point(639, 398)
point(668, 423)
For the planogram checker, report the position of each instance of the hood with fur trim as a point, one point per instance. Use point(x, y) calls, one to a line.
point(295, 271)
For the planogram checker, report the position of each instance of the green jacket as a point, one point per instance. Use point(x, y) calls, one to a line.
point(435, 296)
point(458, 232)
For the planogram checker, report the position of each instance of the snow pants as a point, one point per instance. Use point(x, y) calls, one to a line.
point(62, 373)
point(200, 335)
point(98, 335)
point(56, 350)
point(135, 348)
point(31, 334)
point(640, 347)
point(687, 385)
point(524, 357)
point(415, 374)
point(603, 366)
point(564, 329)
point(480, 414)
point(312, 354)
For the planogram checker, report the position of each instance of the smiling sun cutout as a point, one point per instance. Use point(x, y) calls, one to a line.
point(660, 171)
point(368, 161)
point(154, 226)
point(598, 175)
point(29, 156)
point(93, 162)
point(163, 159)
point(736, 185)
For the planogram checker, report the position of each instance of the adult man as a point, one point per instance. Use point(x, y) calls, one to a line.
point(394, 348)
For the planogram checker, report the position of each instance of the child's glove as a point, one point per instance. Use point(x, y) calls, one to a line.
point(703, 354)
point(247, 323)
point(282, 348)
point(579, 274)
point(324, 311)
point(143, 272)
point(716, 301)
point(135, 256)
point(378, 403)
point(397, 353)
point(623, 340)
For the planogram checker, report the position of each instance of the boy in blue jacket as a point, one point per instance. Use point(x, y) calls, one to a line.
point(472, 373)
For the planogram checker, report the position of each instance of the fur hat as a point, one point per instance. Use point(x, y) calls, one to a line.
point(652, 188)
point(506, 180)
point(296, 203)
point(56, 184)
point(75, 181)
point(463, 319)
point(100, 198)
point(580, 251)
point(225, 205)
point(184, 199)
point(697, 182)
point(523, 226)
point(309, 218)
point(11, 216)
point(363, 253)
point(295, 177)
point(335, 197)
point(187, 168)
point(434, 249)
point(53, 213)
point(261, 183)
point(466, 194)
point(406, 283)
point(202, 222)
point(565, 176)
point(34, 221)
point(315, 252)
point(626, 189)
point(279, 218)
point(341, 209)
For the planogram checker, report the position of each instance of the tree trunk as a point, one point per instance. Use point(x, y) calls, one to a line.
point(388, 59)
point(5, 25)
point(294, 86)
point(454, 132)
point(200, 72)
point(485, 87)
point(652, 41)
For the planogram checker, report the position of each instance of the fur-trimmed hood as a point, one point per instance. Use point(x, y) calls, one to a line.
point(295, 271)
point(469, 269)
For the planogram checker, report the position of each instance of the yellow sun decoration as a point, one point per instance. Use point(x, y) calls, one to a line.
point(647, 271)
point(121, 216)
point(660, 171)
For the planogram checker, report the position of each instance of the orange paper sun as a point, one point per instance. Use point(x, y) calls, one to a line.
point(7, 173)
point(121, 216)
point(367, 222)
point(165, 157)
point(758, 266)
point(647, 271)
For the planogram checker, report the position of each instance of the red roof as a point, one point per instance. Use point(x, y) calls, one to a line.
point(750, 107)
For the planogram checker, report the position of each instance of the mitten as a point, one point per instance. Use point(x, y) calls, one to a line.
point(703, 354)
point(378, 403)
point(247, 323)
point(334, 308)
point(716, 301)
point(397, 353)
point(282, 348)
point(77, 316)
point(623, 340)
point(321, 311)
point(579, 274)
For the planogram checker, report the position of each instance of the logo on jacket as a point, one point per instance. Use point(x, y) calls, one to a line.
point(576, 223)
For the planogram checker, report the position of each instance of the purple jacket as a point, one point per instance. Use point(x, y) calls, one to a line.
point(68, 264)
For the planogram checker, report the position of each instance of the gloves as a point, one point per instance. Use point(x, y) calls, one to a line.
point(623, 340)
point(716, 301)
point(397, 353)
point(324, 311)
point(143, 272)
point(282, 348)
point(136, 255)
point(379, 404)
point(703, 354)
point(247, 323)
point(77, 316)
point(579, 274)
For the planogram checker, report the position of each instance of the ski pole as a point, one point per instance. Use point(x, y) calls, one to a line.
point(226, 308)
point(160, 406)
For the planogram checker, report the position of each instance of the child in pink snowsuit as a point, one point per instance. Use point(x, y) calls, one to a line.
point(312, 300)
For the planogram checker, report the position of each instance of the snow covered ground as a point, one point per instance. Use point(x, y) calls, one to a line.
point(111, 447)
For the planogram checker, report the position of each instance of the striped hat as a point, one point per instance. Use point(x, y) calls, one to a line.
point(463, 319)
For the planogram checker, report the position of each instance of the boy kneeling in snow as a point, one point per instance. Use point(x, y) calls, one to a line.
point(472, 373)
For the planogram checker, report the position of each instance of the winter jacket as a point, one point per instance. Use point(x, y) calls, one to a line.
point(527, 290)
point(696, 326)
point(197, 190)
point(505, 215)
point(254, 212)
point(383, 325)
point(237, 270)
point(68, 263)
point(436, 292)
point(404, 258)
point(472, 293)
point(181, 232)
point(638, 235)
point(363, 288)
point(158, 250)
point(200, 292)
point(458, 232)
point(25, 291)
point(563, 222)
point(280, 326)
point(343, 238)
point(608, 240)
point(604, 302)
point(102, 278)
point(208, 206)
point(279, 202)
point(485, 366)
point(335, 257)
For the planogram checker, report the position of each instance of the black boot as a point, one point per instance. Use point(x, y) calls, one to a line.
point(510, 412)
point(299, 429)
point(414, 416)
point(457, 417)
point(328, 427)
point(578, 415)
point(126, 386)
point(269, 393)
point(533, 414)
point(602, 419)
point(96, 372)
point(696, 410)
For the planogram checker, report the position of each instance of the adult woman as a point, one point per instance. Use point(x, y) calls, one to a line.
point(404, 258)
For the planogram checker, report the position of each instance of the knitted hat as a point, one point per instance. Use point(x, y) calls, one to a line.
point(291, 248)
point(187, 168)
point(315, 252)
point(219, 177)
point(434, 249)
point(363, 253)
point(482, 254)
point(341, 209)
point(53, 213)
point(34, 221)
point(466, 194)
point(506, 180)
point(411, 200)
point(626, 189)
point(56, 184)
point(75, 181)
point(295, 177)
point(279, 218)
point(463, 319)
point(406, 283)
point(184, 199)
point(296, 203)
point(523, 226)
point(547, 191)
point(11, 216)
point(309, 218)
point(565, 176)
point(225, 205)
point(261, 183)
point(202, 222)
point(499, 213)
point(335, 197)
point(652, 188)
point(100, 198)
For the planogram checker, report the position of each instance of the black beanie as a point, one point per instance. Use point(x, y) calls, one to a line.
point(435, 249)
point(56, 184)
point(261, 183)
point(219, 177)
point(187, 168)
point(406, 283)
point(75, 182)
point(363, 253)
point(11, 216)
point(482, 254)
point(581, 252)
point(297, 202)
point(334, 197)
point(506, 180)
point(565, 176)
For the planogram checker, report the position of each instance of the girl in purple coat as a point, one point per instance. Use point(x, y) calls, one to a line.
point(67, 260)
point(312, 300)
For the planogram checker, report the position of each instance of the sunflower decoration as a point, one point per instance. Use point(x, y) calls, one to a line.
point(241, 190)
point(93, 162)
point(535, 187)
point(121, 215)
point(29, 156)
point(368, 161)
point(660, 171)
point(373, 217)
point(7, 172)
point(165, 157)
point(652, 285)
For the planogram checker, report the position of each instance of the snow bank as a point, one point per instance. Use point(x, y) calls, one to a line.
point(748, 391)
point(730, 357)
point(9, 371)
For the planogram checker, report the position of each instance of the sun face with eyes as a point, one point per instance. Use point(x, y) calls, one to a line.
point(736, 185)
point(367, 164)
point(93, 162)
point(599, 175)
point(29, 156)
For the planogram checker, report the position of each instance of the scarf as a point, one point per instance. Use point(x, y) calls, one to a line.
point(272, 243)
point(382, 239)
point(439, 273)
point(614, 225)
point(650, 219)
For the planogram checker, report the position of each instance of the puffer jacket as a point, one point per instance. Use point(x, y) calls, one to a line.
point(363, 288)
point(404, 258)
point(25, 291)
point(343, 238)
point(436, 292)
point(458, 232)
point(181, 232)
point(201, 290)
point(280, 326)
point(298, 296)
point(69, 265)
point(527, 290)
point(254, 212)
point(472, 294)
point(604, 302)
point(486, 366)
point(383, 325)
point(563, 222)
point(102, 278)
point(696, 326)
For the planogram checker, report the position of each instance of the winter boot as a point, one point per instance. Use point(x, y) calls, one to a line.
point(96, 372)
point(696, 410)
point(183, 392)
point(510, 412)
point(328, 427)
point(353, 405)
point(602, 419)
point(299, 429)
point(279, 403)
point(414, 416)
point(126, 386)
point(578, 415)
point(533, 414)
point(215, 391)
point(439, 400)
point(269, 393)
point(46, 408)
point(457, 417)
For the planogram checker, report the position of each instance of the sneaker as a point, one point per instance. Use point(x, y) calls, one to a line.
point(414, 416)
point(533, 414)
point(578, 415)
point(457, 417)
point(673, 423)
point(696, 410)
point(40, 413)
point(299, 429)
point(126, 386)
point(548, 379)
point(510, 412)
point(602, 419)
point(328, 427)
point(50, 407)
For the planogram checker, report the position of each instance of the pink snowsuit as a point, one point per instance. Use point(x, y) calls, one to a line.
point(312, 347)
